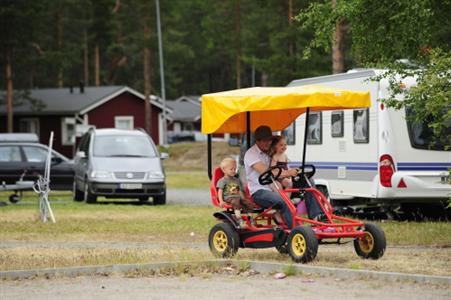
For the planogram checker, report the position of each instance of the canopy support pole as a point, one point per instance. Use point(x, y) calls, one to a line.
point(209, 155)
point(305, 140)
point(248, 129)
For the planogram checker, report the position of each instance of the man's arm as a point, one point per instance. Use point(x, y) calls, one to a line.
point(260, 167)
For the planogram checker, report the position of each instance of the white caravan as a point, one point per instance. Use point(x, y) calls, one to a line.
point(374, 156)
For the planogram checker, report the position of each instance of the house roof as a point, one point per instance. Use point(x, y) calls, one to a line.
point(185, 109)
point(62, 101)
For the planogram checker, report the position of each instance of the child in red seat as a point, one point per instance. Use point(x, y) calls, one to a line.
point(230, 191)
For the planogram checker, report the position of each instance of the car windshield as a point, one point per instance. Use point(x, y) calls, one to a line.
point(123, 146)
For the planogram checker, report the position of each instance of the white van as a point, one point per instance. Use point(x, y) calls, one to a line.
point(373, 157)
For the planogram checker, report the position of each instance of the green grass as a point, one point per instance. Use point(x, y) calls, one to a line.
point(180, 225)
point(107, 222)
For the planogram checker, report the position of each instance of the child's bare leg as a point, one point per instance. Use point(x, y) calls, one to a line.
point(237, 210)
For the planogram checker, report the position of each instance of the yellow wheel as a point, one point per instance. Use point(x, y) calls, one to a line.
point(372, 244)
point(223, 240)
point(220, 241)
point(299, 245)
point(302, 244)
point(366, 244)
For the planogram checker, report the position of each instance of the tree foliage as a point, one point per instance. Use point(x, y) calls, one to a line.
point(430, 98)
point(385, 32)
point(200, 43)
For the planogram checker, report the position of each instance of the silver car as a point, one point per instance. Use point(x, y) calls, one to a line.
point(118, 163)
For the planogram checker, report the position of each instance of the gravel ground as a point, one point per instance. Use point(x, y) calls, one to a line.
point(260, 286)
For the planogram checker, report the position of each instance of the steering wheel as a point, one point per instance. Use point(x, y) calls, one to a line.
point(308, 173)
point(267, 176)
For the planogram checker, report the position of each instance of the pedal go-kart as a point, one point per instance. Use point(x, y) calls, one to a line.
point(242, 111)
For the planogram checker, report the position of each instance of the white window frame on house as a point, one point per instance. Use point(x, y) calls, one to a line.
point(26, 122)
point(67, 135)
point(130, 119)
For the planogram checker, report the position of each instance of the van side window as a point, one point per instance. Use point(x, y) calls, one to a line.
point(337, 124)
point(84, 143)
point(315, 128)
point(361, 131)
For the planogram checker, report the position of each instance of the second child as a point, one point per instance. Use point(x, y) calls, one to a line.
point(280, 159)
point(229, 191)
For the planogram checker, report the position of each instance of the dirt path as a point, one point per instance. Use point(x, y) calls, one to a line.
point(217, 287)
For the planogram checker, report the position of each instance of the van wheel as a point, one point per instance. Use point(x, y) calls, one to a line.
point(159, 200)
point(372, 244)
point(77, 194)
point(143, 199)
point(89, 197)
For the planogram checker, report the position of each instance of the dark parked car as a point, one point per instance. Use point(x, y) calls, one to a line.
point(22, 156)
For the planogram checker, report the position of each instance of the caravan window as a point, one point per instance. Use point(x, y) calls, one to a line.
point(361, 130)
point(290, 133)
point(315, 130)
point(421, 136)
point(337, 124)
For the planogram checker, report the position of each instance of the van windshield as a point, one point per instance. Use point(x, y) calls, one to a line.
point(421, 136)
point(123, 146)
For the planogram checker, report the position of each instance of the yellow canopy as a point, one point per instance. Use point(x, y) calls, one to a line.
point(276, 107)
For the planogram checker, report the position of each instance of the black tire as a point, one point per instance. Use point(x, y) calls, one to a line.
point(89, 197)
point(302, 244)
point(283, 249)
point(373, 244)
point(77, 194)
point(160, 200)
point(223, 240)
point(143, 199)
point(14, 198)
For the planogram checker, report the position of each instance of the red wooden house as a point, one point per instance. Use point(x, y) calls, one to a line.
point(69, 112)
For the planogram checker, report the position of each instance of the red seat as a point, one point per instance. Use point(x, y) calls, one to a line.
point(218, 174)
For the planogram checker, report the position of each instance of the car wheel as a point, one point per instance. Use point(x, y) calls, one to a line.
point(160, 200)
point(143, 199)
point(372, 244)
point(89, 197)
point(77, 194)
point(223, 240)
point(14, 198)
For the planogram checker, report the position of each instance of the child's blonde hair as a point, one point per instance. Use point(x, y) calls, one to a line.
point(275, 140)
point(227, 161)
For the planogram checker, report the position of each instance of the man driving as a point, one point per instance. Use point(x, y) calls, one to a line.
point(256, 162)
